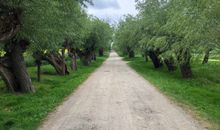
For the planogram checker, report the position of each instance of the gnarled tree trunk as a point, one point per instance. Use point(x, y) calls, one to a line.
point(184, 58)
point(13, 69)
point(57, 61)
point(155, 59)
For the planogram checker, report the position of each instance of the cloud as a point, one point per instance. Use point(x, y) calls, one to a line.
point(112, 10)
point(104, 4)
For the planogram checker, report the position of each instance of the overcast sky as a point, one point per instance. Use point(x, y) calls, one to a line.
point(112, 10)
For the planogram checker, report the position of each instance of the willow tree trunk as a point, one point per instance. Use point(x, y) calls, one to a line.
point(57, 61)
point(155, 59)
point(101, 52)
point(13, 70)
point(9, 78)
point(186, 70)
point(206, 57)
point(184, 58)
point(170, 64)
point(20, 71)
point(85, 56)
point(94, 56)
point(86, 60)
point(131, 54)
point(74, 62)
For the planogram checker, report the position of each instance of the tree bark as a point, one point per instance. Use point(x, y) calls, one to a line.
point(184, 58)
point(57, 61)
point(155, 59)
point(85, 60)
point(72, 54)
point(101, 52)
point(13, 69)
point(94, 56)
point(206, 57)
point(9, 78)
point(20, 71)
point(38, 60)
point(85, 56)
point(170, 64)
point(131, 54)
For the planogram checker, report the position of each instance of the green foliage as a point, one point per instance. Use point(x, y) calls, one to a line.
point(127, 35)
point(47, 23)
point(173, 28)
point(97, 34)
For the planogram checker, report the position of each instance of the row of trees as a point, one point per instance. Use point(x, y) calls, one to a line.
point(47, 29)
point(169, 32)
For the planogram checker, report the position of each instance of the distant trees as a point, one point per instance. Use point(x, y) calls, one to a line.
point(47, 29)
point(170, 32)
point(127, 36)
point(96, 36)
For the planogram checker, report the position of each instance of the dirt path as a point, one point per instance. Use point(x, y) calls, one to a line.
point(117, 98)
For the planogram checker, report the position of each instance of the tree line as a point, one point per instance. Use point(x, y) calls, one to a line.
point(48, 30)
point(171, 32)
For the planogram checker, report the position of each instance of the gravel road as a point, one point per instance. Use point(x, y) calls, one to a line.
point(116, 98)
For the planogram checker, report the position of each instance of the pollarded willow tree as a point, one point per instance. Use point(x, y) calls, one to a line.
point(29, 24)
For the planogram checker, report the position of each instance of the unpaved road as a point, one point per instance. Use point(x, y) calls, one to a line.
point(117, 98)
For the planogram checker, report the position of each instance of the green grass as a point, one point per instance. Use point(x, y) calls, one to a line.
point(200, 93)
point(27, 111)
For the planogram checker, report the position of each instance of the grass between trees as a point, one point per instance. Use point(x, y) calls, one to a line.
point(27, 111)
point(201, 93)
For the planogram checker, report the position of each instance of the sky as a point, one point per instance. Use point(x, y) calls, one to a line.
point(112, 10)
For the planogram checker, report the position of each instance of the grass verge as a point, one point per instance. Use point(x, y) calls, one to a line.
point(27, 111)
point(201, 93)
